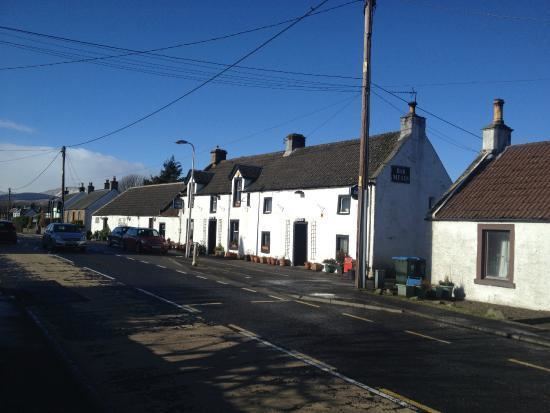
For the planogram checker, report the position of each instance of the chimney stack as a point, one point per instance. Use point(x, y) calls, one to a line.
point(412, 124)
point(81, 187)
point(497, 136)
point(106, 184)
point(90, 188)
point(294, 141)
point(114, 184)
point(217, 155)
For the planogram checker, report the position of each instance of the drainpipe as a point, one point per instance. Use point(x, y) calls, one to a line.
point(369, 231)
point(258, 225)
point(229, 221)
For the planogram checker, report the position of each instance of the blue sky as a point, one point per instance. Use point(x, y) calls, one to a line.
point(457, 56)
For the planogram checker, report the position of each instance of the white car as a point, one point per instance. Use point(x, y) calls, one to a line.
point(64, 236)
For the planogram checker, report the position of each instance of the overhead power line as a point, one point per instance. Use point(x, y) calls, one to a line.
point(152, 51)
point(39, 175)
point(28, 156)
point(256, 49)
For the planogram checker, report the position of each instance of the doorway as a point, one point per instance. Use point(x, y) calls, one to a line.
point(299, 256)
point(211, 236)
point(162, 229)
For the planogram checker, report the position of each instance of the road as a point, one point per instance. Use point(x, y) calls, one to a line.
point(431, 366)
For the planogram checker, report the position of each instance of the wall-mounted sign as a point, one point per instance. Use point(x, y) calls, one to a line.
point(401, 174)
point(177, 203)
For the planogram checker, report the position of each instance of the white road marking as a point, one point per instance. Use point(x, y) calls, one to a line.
point(99, 273)
point(247, 276)
point(428, 337)
point(249, 289)
point(130, 258)
point(161, 266)
point(181, 272)
point(358, 318)
point(534, 366)
point(200, 276)
point(63, 259)
point(158, 297)
point(277, 298)
point(265, 301)
point(321, 366)
point(118, 255)
point(221, 282)
point(303, 302)
point(144, 262)
point(199, 304)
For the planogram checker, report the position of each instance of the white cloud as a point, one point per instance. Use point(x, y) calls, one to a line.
point(81, 165)
point(8, 124)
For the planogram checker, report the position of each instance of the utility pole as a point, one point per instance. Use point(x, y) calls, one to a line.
point(9, 204)
point(363, 180)
point(63, 150)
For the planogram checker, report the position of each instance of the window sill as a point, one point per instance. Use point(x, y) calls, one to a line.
point(342, 213)
point(494, 282)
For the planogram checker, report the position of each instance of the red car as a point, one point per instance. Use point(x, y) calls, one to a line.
point(144, 239)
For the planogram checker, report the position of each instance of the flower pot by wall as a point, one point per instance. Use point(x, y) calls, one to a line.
point(316, 266)
point(307, 265)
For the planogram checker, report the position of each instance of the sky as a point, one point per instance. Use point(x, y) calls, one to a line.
point(457, 57)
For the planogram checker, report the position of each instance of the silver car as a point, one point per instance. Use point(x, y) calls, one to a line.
point(64, 236)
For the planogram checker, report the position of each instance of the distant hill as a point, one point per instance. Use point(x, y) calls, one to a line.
point(25, 196)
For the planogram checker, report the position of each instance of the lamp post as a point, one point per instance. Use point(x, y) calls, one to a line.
point(190, 190)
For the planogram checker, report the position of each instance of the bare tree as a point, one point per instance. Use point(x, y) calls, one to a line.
point(130, 181)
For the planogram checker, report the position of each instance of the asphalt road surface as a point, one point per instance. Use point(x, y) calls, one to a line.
point(433, 366)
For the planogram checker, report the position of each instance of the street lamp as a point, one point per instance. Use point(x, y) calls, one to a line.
point(190, 194)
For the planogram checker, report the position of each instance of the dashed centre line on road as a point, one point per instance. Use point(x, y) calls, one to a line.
point(249, 289)
point(144, 262)
point(304, 303)
point(161, 266)
point(526, 364)
point(358, 318)
point(265, 301)
point(181, 272)
point(221, 282)
point(130, 258)
point(414, 333)
point(200, 276)
point(99, 273)
point(277, 298)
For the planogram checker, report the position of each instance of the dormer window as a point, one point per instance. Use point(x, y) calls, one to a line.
point(237, 189)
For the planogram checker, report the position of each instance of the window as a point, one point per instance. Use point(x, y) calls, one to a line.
point(248, 199)
point(213, 204)
point(234, 234)
point(342, 244)
point(267, 205)
point(495, 255)
point(237, 189)
point(151, 221)
point(344, 203)
point(266, 241)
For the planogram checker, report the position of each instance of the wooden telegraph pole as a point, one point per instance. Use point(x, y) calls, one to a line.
point(363, 180)
point(63, 150)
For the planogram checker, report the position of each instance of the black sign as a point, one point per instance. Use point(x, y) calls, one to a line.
point(177, 203)
point(401, 174)
point(354, 191)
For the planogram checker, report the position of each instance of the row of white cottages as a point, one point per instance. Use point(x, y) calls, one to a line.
point(298, 204)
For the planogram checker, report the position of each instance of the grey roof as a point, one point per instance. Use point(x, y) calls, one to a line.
point(88, 200)
point(321, 166)
point(150, 200)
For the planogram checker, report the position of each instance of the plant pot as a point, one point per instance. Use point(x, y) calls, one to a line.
point(444, 292)
point(283, 262)
point(316, 266)
point(263, 260)
point(247, 257)
point(307, 265)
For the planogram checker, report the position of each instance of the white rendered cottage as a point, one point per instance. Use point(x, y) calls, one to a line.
point(150, 206)
point(491, 231)
point(296, 203)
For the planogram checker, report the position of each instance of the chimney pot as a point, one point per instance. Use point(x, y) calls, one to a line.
point(498, 111)
point(114, 184)
point(90, 188)
point(106, 185)
point(81, 188)
point(412, 108)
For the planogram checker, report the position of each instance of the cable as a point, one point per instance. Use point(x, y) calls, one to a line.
point(72, 169)
point(25, 150)
point(141, 119)
point(29, 156)
point(137, 52)
point(340, 110)
point(39, 175)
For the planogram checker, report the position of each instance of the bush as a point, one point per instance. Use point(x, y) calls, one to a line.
point(20, 223)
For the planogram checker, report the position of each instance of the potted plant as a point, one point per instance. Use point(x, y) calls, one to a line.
point(219, 251)
point(307, 265)
point(284, 262)
point(247, 257)
point(340, 258)
point(316, 266)
point(263, 259)
point(444, 289)
point(329, 265)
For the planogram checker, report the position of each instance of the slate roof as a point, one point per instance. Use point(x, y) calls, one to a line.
point(88, 200)
point(513, 186)
point(321, 166)
point(150, 200)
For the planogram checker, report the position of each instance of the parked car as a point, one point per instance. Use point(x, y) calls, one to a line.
point(7, 232)
point(144, 239)
point(61, 235)
point(115, 237)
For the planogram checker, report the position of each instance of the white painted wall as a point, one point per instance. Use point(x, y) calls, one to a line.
point(454, 254)
point(318, 208)
point(400, 227)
